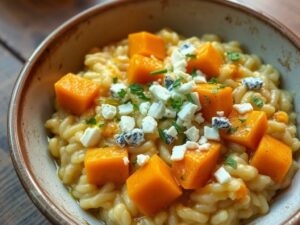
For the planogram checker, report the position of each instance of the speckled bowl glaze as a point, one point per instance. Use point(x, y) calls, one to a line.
point(63, 51)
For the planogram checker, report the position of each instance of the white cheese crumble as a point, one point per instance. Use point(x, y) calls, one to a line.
point(134, 137)
point(222, 175)
point(196, 101)
point(211, 133)
point(159, 92)
point(187, 48)
point(191, 145)
point(178, 61)
point(199, 118)
point(172, 132)
point(116, 88)
point(142, 159)
point(108, 111)
point(90, 137)
point(253, 83)
point(178, 152)
point(200, 78)
point(220, 113)
point(157, 110)
point(187, 111)
point(127, 123)
point(192, 133)
point(220, 122)
point(186, 87)
point(202, 140)
point(204, 147)
point(169, 113)
point(144, 107)
point(125, 109)
point(149, 124)
point(125, 160)
point(243, 108)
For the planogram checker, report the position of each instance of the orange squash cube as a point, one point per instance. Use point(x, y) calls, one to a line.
point(247, 129)
point(140, 68)
point(106, 165)
point(146, 44)
point(196, 168)
point(152, 187)
point(75, 94)
point(272, 158)
point(213, 98)
point(208, 60)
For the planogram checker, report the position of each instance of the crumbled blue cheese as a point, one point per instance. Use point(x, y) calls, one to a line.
point(169, 113)
point(186, 87)
point(253, 83)
point(191, 145)
point(199, 118)
point(108, 111)
point(178, 152)
point(120, 140)
point(90, 137)
point(134, 137)
point(192, 133)
point(178, 61)
point(168, 82)
point(211, 133)
point(116, 88)
point(157, 110)
point(149, 124)
point(142, 159)
point(196, 101)
point(220, 113)
point(144, 107)
point(125, 109)
point(243, 108)
point(202, 140)
point(125, 160)
point(127, 123)
point(187, 111)
point(220, 122)
point(222, 175)
point(187, 49)
point(160, 92)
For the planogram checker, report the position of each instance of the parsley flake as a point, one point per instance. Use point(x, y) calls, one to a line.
point(258, 101)
point(233, 56)
point(138, 90)
point(122, 93)
point(231, 162)
point(176, 103)
point(158, 72)
point(91, 121)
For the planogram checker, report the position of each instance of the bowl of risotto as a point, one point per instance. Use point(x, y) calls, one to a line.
point(161, 112)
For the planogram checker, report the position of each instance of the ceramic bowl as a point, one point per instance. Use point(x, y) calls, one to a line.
point(63, 51)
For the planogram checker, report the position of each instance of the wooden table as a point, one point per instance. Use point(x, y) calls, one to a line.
point(23, 25)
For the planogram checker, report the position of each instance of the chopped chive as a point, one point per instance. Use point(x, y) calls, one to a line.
point(243, 120)
point(122, 93)
point(231, 162)
point(258, 101)
point(177, 82)
point(162, 135)
point(194, 72)
point(192, 56)
point(190, 99)
point(91, 121)
point(177, 127)
point(138, 90)
point(135, 106)
point(213, 81)
point(157, 72)
point(101, 125)
point(233, 56)
point(176, 103)
point(115, 80)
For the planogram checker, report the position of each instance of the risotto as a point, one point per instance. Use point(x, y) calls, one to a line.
point(162, 129)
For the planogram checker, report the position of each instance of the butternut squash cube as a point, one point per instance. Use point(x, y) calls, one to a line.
point(247, 129)
point(146, 44)
point(106, 165)
point(75, 94)
point(196, 168)
point(152, 187)
point(272, 158)
point(140, 68)
point(213, 98)
point(208, 60)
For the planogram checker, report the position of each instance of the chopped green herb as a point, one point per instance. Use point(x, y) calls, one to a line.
point(115, 80)
point(243, 120)
point(222, 86)
point(190, 99)
point(176, 103)
point(101, 125)
point(232, 130)
point(233, 56)
point(177, 127)
point(122, 93)
point(213, 81)
point(91, 121)
point(162, 135)
point(157, 72)
point(194, 72)
point(258, 101)
point(231, 162)
point(138, 90)
point(135, 106)
point(192, 56)
point(177, 82)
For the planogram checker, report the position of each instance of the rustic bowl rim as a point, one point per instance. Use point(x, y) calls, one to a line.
point(24, 173)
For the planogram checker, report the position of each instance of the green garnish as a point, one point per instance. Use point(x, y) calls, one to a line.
point(122, 93)
point(138, 90)
point(232, 130)
point(177, 127)
point(162, 136)
point(101, 125)
point(157, 72)
point(176, 103)
point(190, 98)
point(115, 80)
point(192, 56)
point(91, 121)
point(135, 106)
point(231, 162)
point(213, 81)
point(233, 56)
point(258, 101)
point(177, 82)
point(194, 73)
point(243, 120)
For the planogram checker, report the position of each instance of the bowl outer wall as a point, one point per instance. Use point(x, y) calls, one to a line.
point(32, 98)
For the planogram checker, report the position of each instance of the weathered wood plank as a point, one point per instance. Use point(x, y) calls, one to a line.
point(15, 205)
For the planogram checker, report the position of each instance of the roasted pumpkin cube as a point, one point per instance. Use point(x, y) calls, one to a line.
point(208, 60)
point(75, 94)
point(106, 165)
point(247, 129)
point(147, 44)
point(272, 158)
point(196, 168)
point(140, 68)
point(152, 187)
point(213, 98)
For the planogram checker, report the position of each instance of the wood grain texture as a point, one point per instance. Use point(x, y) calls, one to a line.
point(15, 205)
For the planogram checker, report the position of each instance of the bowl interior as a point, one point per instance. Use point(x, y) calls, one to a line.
point(63, 51)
